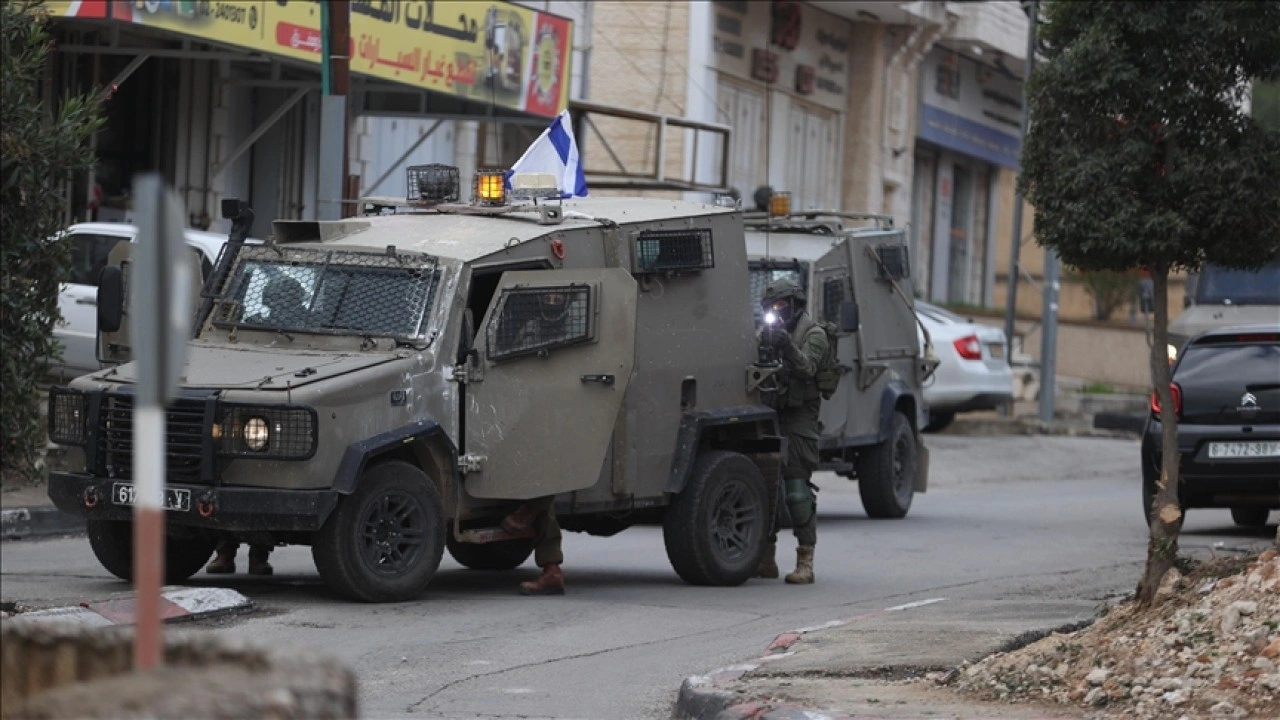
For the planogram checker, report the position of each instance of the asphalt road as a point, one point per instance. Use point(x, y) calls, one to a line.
point(1048, 519)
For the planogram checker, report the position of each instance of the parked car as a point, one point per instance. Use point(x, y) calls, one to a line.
point(1226, 392)
point(91, 244)
point(973, 374)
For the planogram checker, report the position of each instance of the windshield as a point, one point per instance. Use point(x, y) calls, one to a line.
point(327, 291)
point(1222, 286)
point(765, 272)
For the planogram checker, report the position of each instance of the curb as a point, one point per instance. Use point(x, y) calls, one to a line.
point(177, 604)
point(707, 697)
point(1120, 421)
point(43, 521)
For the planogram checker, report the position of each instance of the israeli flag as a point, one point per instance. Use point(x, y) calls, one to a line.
point(555, 152)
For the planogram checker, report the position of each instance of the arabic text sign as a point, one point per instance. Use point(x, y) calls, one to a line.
point(502, 53)
point(498, 52)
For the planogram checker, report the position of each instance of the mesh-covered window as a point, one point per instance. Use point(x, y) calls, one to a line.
point(833, 294)
point(893, 261)
point(673, 250)
point(322, 291)
point(531, 321)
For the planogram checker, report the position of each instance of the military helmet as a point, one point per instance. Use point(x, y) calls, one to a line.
point(782, 289)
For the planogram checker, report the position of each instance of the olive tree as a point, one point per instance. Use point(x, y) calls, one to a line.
point(40, 147)
point(1139, 155)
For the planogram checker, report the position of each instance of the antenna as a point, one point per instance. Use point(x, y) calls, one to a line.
point(768, 142)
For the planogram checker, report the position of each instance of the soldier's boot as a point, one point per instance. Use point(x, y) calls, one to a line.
point(768, 568)
point(521, 520)
point(803, 574)
point(224, 563)
point(258, 564)
point(550, 582)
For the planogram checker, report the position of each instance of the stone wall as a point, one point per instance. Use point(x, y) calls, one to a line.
point(62, 671)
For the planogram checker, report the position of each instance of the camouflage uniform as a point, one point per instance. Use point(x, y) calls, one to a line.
point(798, 405)
point(797, 401)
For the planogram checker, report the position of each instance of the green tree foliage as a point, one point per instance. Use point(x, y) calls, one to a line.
point(1138, 155)
point(1110, 289)
point(40, 147)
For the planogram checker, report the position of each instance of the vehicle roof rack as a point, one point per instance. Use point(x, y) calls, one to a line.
point(803, 218)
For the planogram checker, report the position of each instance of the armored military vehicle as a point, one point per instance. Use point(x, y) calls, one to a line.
point(384, 387)
point(859, 264)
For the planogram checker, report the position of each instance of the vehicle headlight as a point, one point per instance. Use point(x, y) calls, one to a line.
point(256, 434)
point(67, 414)
point(269, 432)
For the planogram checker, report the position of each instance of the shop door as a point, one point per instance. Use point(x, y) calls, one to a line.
point(810, 159)
point(743, 109)
point(961, 235)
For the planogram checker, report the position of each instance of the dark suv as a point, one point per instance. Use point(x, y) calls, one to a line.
point(1226, 389)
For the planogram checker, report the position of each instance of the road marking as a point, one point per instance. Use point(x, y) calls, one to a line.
point(920, 603)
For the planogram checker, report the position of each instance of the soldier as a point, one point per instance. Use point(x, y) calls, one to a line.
point(224, 563)
point(539, 513)
point(801, 345)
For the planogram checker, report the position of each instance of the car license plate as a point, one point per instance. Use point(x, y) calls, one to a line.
point(996, 350)
point(174, 499)
point(1255, 449)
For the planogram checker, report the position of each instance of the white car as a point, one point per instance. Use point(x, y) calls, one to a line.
point(91, 244)
point(973, 373)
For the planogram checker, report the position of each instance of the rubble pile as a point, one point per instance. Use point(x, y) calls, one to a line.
point(1210, 647)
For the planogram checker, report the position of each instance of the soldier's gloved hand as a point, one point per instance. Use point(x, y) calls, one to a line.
point(775, 337)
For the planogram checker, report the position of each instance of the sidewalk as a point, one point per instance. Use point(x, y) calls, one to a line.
point(881, 664)
point(27, 512)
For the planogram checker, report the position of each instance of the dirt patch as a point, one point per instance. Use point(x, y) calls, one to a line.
point(1209, 648)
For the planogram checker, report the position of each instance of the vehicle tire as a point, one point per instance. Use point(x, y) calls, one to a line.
point(184, 555)
point(887, 472)
point(1251, 517)
point(938, 421)
point(716, 528)
point(384, 541)
point(504, 555)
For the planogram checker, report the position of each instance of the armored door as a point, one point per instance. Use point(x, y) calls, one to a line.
point(554, 355)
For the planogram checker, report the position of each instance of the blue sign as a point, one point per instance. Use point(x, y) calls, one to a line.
point(965, 136)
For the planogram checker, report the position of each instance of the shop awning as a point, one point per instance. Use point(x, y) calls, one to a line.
point(507, 55)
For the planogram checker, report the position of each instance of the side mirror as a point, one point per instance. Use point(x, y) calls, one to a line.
point(849, 316)
point(110, 299)
point(233, 208)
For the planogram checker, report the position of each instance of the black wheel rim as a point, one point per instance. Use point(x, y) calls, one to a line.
point(902, 470)
point(393, 534)
point(734, 522)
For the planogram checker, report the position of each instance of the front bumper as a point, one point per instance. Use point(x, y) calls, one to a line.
point(220, 508)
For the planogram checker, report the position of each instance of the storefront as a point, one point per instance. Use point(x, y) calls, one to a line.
point(782, 84)
point(224, 98)
point(968, 133)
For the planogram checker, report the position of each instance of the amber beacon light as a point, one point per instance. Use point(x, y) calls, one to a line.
point(490, 187)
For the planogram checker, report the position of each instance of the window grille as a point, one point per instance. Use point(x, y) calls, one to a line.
point(532, 321)
point(660, 251)
point(894, 262)
point(328, 291)
point(833, 294)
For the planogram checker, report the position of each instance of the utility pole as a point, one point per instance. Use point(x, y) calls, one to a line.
point(1015, 247)
point(1049, 337)
point(335, 39)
